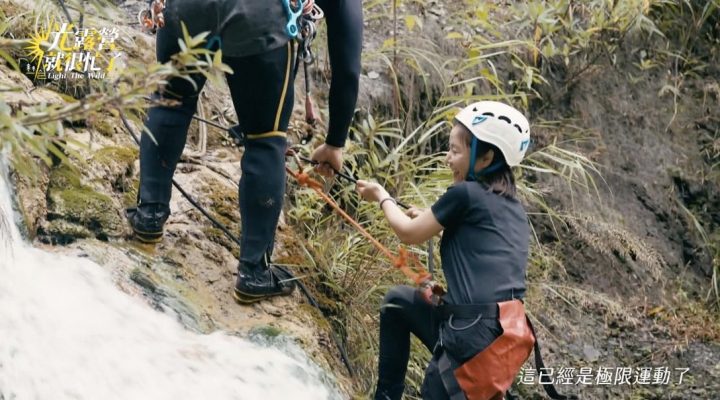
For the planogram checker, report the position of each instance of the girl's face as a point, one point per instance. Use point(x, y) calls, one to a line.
point(458, 154)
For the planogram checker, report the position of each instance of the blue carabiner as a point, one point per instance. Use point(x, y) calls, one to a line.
point(292, 26)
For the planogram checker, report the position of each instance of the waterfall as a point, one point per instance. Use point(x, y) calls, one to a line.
point(67, 332)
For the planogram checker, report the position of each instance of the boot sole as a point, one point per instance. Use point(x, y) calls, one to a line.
point(148, 237)
point(244, 298)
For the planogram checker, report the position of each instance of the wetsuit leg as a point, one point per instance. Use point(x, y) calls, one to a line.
point(262, 92)
point(403, 312)
point(160, 153)
point(345, 35)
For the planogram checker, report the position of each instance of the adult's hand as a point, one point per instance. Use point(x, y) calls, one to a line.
point(329, 159)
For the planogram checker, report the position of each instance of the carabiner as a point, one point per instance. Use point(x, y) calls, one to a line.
point(292, 26)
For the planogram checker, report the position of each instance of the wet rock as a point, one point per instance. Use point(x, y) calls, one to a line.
point(115, 161)
point(32, 199)
point(272, 310)
point(73, 202)
point(62, 232)
point(591, 353)
point(88, 208)
point(265, 332)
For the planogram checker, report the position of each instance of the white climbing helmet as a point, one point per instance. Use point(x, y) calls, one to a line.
point(498, 124)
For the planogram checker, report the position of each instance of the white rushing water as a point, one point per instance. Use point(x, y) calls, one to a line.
point(66, 332)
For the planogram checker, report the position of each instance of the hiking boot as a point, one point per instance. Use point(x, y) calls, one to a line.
point(258, 282)
point(147, 221)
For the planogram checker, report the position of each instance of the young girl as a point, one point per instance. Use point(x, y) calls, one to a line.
point(484, 251)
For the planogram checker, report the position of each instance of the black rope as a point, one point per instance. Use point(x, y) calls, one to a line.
point(540, 366)
point(314, 303)
point(215, 124)
point(226, 231)
point(346, 177)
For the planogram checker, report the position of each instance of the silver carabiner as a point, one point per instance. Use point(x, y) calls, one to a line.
point(450, 324)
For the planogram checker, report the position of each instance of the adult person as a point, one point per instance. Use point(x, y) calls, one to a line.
point(254, 42)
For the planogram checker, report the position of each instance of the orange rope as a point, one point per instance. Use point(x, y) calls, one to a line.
point(417, 274)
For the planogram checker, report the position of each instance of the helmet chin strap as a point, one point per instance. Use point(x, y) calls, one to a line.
point(471, 176)
point(473, 154)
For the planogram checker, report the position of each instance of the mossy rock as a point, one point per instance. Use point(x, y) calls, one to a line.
point(31, 190)
point(116, 161)
point(103, 126)
point(63, 232)
point(318, 318)
point(144, 280)
point(223, 203)
point(114, 165)
point(129, 196)
point(111, 155)
point(217, 236)
point(224, 207)
point(95, 211)
point(64, 177)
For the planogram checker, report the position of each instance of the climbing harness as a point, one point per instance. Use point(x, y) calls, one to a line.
point(490, 373)
point(302, 17)
point(152, 18)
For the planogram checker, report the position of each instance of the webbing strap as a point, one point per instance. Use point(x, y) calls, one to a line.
point(540, 365)
point(446, 369)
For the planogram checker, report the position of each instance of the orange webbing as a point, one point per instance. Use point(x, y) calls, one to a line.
point(418, 274)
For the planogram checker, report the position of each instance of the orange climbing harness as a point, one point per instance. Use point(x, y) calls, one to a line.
point(406, 262)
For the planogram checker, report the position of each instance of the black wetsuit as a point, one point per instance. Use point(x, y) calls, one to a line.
point(255, 46)
point(484, 251)
point(252, 36)
point(345, 35)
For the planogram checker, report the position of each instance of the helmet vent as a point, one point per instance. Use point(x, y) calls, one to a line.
point(518, 128)
point(489, 114)
point(506, 119)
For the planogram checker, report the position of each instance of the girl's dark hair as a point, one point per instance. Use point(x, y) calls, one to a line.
point(502, 179)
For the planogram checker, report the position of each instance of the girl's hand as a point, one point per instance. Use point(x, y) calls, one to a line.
point(413, 211)
point(371, 191)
